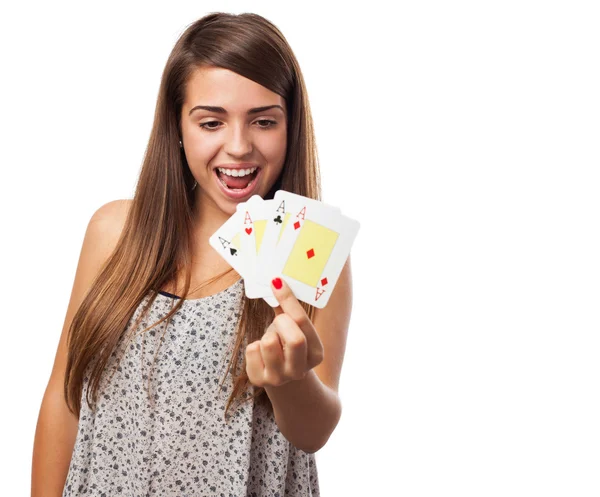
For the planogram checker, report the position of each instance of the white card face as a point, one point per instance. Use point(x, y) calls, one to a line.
point(313, 248)
point(279, 213)
point(227, 242)
point(253, 215)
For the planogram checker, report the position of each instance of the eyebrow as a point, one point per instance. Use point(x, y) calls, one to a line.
point(221, 110)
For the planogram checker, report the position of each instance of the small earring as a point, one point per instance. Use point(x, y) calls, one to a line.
point(180, 144)
point(195, 185)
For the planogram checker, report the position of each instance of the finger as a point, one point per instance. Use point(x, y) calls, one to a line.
point(295, 346)
point(292, 309)
point(254, 363)
point(314, 345)
point(289, 304)
point(271, 350)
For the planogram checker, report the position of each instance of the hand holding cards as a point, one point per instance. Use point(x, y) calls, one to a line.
point(301, 240)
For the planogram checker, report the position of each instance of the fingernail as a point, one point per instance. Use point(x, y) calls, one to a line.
point(277, 283)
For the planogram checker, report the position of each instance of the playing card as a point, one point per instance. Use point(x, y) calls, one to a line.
point(253, 215)
point(278, 216)
point(227, 241)
point(302, 240)
point(306, 243)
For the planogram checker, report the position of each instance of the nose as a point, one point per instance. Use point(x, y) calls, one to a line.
point(238, 141)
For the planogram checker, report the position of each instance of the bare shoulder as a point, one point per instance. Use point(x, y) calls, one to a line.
point(106, 225)
point(112, 215)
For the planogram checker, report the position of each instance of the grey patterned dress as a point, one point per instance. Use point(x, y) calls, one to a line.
point(180, 444)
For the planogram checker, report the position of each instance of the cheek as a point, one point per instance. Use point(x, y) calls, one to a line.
point(274, 149)
point(200, 153)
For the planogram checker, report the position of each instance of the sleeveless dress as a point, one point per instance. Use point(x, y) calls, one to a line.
point(180, 444)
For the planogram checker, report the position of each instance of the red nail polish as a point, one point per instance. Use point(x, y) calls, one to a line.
point(277, 283)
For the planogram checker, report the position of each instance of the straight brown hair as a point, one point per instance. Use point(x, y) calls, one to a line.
point(155, 245)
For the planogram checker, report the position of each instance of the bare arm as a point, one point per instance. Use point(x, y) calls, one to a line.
point(56, 429)
point(308, 410)
point(53, 444)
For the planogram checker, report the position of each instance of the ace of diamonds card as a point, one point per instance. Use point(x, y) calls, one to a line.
point(312, 247)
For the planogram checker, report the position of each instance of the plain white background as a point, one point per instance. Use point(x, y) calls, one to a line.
point(464, 138)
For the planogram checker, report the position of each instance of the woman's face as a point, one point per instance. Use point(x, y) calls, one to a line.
point(233, 151)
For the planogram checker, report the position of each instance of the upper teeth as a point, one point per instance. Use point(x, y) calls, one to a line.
point(237, 172)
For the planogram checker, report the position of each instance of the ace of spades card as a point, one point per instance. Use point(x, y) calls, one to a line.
point(312, 247)
point(227, 241)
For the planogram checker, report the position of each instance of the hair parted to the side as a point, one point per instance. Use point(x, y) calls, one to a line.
point(155, 245)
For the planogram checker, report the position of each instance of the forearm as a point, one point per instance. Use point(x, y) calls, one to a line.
point(55, 436)
point(306, 411)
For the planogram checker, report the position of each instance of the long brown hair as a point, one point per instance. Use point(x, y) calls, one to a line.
point(156, 242)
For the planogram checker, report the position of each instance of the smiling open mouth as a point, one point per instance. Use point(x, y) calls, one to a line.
point(237, 179)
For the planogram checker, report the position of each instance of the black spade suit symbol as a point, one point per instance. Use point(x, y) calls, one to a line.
point(277, 219)
point(233, 251)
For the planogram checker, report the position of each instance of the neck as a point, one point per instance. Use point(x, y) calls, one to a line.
point(206, 262)
point(208, 218)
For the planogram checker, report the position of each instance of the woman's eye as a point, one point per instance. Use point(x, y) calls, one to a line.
point(204, 125)
point(269, 124)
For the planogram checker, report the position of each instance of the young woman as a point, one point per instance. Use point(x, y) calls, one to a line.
point(167, 379)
